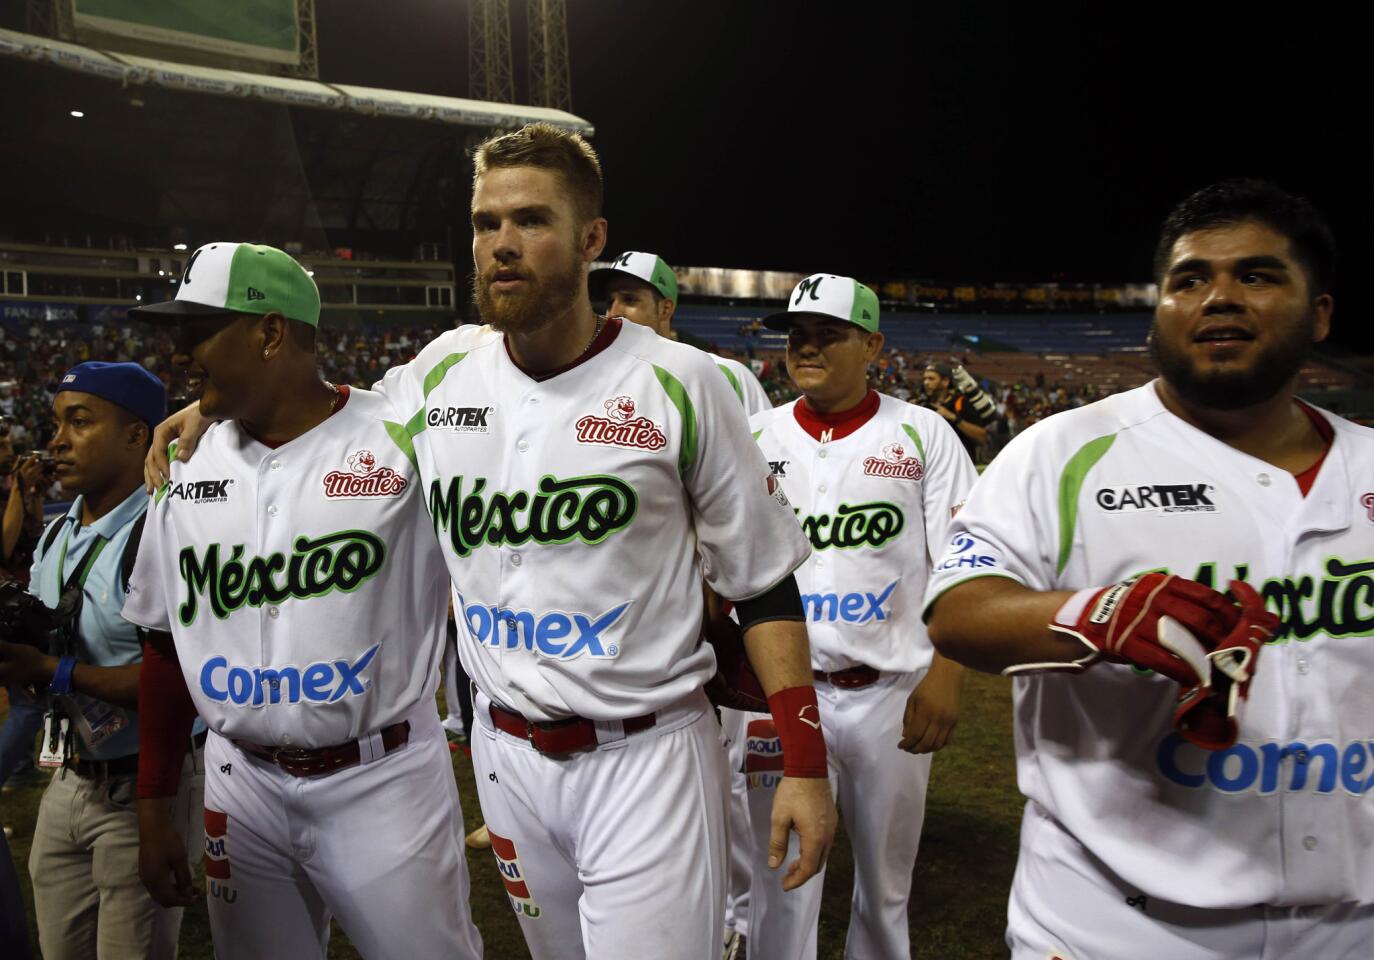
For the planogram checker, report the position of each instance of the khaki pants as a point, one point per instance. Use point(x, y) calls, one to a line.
point(84, 864)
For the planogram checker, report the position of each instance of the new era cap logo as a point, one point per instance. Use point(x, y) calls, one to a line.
point(256, 294)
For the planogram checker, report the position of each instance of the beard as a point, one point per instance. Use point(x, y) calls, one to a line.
point(539, 303)
point(1233, 389)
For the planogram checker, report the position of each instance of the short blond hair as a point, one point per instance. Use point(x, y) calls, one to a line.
point(552, 148)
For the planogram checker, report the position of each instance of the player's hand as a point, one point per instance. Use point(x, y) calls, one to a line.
point(932, 710)
point(1156, 621)
point(186, 427)
point(806, 806)
point(162, 864)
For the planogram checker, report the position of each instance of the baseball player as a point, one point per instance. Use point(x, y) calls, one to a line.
point(643, 289)
point(292, 566)
point(583, 477)
point(1167, 815)
point(874, 481)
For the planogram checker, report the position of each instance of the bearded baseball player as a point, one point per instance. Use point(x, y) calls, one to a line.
point(874, 481)
point(643, 289)
point(289, 571)
point(1197, 767)
point(584, 476)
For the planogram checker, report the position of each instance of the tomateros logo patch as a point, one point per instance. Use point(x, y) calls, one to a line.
point(1158, 498)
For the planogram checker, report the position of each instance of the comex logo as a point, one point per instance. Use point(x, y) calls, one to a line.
point(1267, 768)
point(557, 635)
point(324, 681)
point(858, 607)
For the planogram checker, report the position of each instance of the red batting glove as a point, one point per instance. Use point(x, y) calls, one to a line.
point(1206, 712)
point(1157, 621)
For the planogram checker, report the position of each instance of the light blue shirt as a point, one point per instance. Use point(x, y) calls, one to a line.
point(104, 638)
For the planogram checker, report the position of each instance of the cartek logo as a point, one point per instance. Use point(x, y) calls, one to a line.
point(621, 428)
point(513, 877)
point(1164, 497)
point(558, 635)
point(325, 681)
point(200, 491)
point(894, 464)
point(364, 479)
point(1266, 768)
point(963, 552)
point(762, 754)
point(860, 607)
point(460, 419)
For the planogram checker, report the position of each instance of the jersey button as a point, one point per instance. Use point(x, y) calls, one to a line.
point(275, 464)
point(272, 511)
point(821, 454)
point(273, 612)
point(534, 399)
point(1302, 665)
point(820, 488)
point(1309, 843)
point(515, 559)
point(522, 446)
point(1300, 756)
point(1264, 480)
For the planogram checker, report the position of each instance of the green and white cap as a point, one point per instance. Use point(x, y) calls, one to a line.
point(826, 295)
point(239, 278)
point(648, 267)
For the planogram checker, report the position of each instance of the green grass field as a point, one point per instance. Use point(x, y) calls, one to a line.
point(958, 901)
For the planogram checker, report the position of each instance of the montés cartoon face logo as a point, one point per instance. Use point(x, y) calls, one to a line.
point(364, 478)
point(620, 409)
point(362, 462)
point(894, 464)
point(621, 428)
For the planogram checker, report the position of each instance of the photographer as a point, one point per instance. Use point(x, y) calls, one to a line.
point(968, 409)
point(84, 861)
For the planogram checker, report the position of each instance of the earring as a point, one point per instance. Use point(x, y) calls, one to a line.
point(264, 354)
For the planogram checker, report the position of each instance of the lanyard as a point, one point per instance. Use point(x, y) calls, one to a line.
point(83, 570)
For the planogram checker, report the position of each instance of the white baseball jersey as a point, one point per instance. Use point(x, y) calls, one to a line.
point(745, 385)
point(302, 585)
point(1122, 486)
point(875, 505)
point(571, 511)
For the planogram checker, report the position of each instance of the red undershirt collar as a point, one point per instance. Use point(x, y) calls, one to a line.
point(1309, 476)
point(338, 405)
point(828, 427)
point(609, 331)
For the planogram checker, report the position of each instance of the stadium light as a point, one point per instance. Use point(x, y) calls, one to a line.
point(138, 297)
point(178, 246)
point(162, 273)
point(78, 114)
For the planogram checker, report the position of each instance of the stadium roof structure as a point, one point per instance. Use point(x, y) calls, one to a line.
point(131, 70)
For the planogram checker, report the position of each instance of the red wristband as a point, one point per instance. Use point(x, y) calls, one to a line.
point(166, 715)
point(798, 721)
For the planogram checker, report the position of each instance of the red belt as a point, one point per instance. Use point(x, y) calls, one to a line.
point(851, 679)
point(305, 762)
point(572, 735)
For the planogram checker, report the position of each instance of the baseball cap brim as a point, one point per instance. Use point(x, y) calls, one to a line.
point(598, 278)
point(173, 311)
point(784, 320)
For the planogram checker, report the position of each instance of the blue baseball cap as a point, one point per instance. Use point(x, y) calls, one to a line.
point(126, 385)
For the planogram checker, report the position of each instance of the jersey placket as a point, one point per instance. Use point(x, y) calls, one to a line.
point(268, 509)
point(827, 470)
point(529, 422)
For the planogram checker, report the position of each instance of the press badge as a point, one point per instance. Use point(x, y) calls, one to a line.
point(56, 734)
point(96, 720)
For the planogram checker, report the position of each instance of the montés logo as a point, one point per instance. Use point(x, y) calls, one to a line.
point(364, 478)
point(620, 427)
point(325, 681)
point(460, 419)
point(1163, 497)
point(589, 509)
point(894, 464)
point(199, 491)
point(857, 525)
point(337, 561)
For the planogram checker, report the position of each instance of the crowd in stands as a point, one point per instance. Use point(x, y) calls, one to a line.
point(33, 358)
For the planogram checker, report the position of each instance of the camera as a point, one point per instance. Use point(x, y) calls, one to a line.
point(25, 619)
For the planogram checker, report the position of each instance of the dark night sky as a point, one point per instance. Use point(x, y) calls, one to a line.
point(934, 142)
